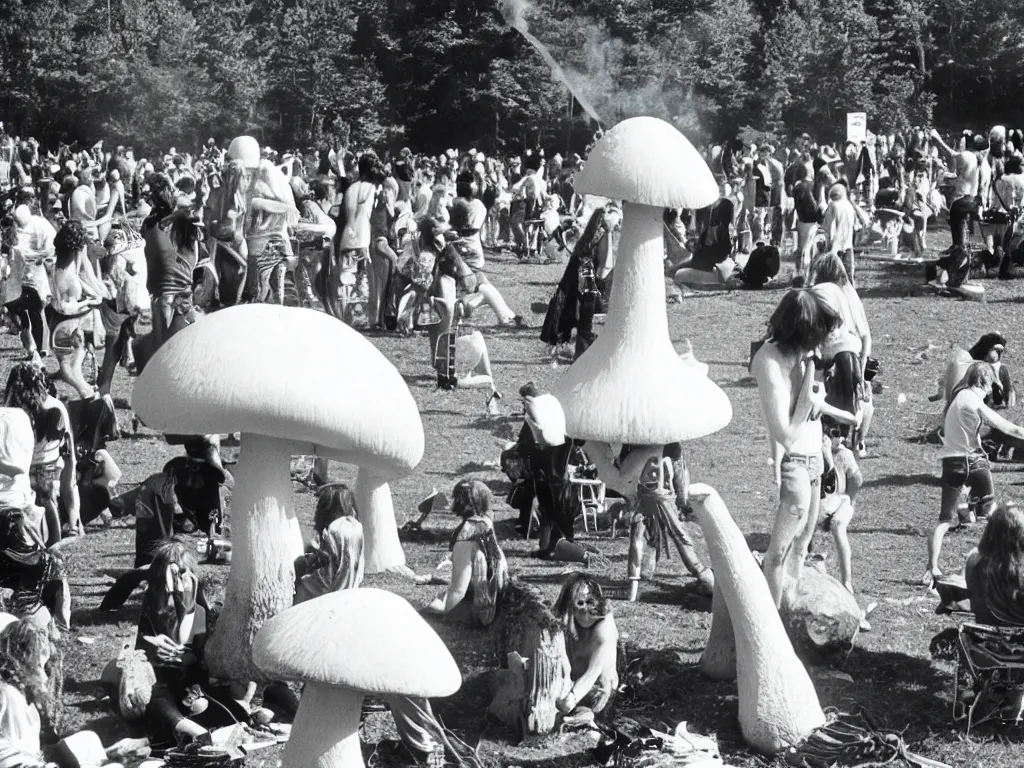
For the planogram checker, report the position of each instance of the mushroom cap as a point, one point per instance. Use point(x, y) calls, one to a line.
point(365, 639)
point(246, 149)
point(287, 373)
point(672, 401)
point(645, 160)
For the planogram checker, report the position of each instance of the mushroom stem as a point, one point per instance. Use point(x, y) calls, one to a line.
point(377, 514)
point(637, 313)
point(266, 540)
point(325, 733)
point(778, 706)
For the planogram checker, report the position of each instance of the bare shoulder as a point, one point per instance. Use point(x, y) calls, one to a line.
point(606, 631)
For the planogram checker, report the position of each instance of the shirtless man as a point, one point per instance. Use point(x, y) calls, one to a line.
point(592, 641)
point(963, 198)
point(792, 400)
point(354, 238)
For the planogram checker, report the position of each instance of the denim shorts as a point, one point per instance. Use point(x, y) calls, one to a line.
point(971, 470)
point(800, 480)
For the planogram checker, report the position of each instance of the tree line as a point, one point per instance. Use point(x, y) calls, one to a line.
point(433, 74)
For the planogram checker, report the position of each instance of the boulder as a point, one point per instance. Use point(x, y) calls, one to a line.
point(823, 619)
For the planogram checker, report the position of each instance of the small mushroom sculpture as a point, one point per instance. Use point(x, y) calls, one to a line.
point(292, 381)
point(631, 386)
point(345, 646)
point(778, 706)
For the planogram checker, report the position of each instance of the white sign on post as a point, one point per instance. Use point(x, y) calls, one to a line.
point(857, 127)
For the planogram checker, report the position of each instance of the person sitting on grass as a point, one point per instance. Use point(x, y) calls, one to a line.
point(32, 664)
point(334, 560)
point(964, 461)
point(479, 570)
point(990, 349)
point(592, 643)
point(839, 497)
point(172, 633)
point(995, 570)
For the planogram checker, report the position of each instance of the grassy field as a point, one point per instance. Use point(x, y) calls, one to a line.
point(891, 672)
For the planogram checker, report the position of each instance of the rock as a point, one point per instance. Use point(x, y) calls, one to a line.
point(824, 618)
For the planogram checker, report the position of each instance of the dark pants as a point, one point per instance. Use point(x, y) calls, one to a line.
point(972, 471)
point(585, 324)
point(963, 211)
point(843, 385)
point(27, 309)
point(555, 513)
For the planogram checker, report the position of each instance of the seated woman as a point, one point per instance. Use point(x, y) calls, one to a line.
point(68, 313)
point(578, 295)
point(592, 643)
point(19, 730)
point(994, 573)
point(32, 665)
point(334, 560)
point(709, 264)
point(172, 632)
point(479, 570)
point(54, 464)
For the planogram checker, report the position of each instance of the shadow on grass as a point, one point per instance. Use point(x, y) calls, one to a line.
point(683, 595)
point(903, 481)
point(94, 617)
point(747, 382)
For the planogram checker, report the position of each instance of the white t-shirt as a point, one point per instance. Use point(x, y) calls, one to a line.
point(962, 428)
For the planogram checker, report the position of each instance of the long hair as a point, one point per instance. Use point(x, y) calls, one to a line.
point(828, 268)
point(801, 321)
point(980, 350)
point(27, 388)
point(597, 228)
point(163, 195)
point(1002, 550)
point(572, 589)
point(231, 195)
point(69, 242)
point(471, 498)
point(333, 500)
point(22, 647)
point(163, 612)
point(978, 374)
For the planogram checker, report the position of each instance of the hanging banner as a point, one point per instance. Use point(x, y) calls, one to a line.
point(857, 127)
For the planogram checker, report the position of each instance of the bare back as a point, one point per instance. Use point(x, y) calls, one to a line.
point(358, 204)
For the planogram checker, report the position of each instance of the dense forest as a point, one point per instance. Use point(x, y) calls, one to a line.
point(437, 73)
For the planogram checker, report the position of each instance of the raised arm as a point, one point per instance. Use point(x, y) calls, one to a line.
point(943, 145)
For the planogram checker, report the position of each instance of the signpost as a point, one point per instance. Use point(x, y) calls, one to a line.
point(857, 127)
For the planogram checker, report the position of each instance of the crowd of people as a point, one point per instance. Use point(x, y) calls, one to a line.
point(97, 243)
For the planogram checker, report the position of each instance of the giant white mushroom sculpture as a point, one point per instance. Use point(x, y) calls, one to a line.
point(292, 381)
point(344, 646)
point(778, 705)
point(631, 386)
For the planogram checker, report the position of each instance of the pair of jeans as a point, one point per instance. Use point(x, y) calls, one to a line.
point(962, 211)
point(971, 470)
point(800, 479)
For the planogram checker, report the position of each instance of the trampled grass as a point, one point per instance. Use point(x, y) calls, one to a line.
point(892, 674)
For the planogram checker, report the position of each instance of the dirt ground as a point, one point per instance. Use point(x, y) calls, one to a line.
point(889, 673)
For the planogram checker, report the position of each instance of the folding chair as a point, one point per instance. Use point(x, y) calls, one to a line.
point(989, 681)
point(587, 495)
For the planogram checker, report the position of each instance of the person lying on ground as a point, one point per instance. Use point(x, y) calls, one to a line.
point(591, 640)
